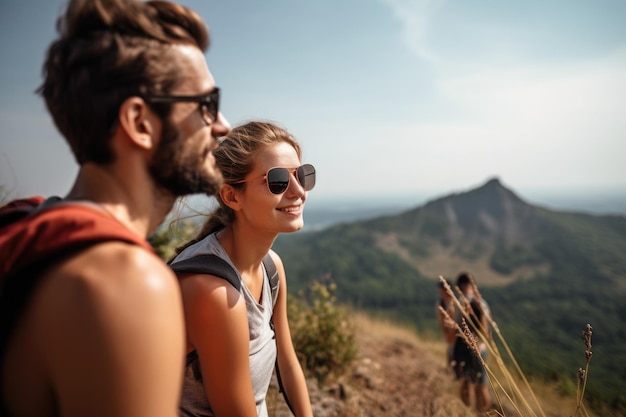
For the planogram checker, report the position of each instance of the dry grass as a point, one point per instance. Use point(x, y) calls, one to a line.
point(513, 393)
point(384, 329)
point(398, 373)
point(522, 397)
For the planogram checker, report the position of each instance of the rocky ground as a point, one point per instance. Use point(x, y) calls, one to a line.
point(393, 375)
point(396, 374)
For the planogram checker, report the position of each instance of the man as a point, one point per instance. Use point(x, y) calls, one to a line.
point(468, 367)
point(100, 331)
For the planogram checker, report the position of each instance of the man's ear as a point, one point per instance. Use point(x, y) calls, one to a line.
point(138, 122)
point(231, 196)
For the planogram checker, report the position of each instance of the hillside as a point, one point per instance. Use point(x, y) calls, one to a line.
point(398, 373)
point(546, 274)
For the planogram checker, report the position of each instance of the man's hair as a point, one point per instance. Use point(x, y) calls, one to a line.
point(106, 52)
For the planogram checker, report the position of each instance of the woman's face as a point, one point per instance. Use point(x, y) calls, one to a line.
point(277, 213)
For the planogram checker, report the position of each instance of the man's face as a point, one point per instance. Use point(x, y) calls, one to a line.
point(183, 162)
point(183, 168)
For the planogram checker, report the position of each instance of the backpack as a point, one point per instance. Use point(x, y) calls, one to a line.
point(37, 233)
point(214, 265)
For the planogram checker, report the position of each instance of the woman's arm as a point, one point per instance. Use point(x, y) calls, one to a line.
point(217, 327)
point(290, 369)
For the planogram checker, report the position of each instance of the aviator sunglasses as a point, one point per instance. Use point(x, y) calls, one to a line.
point(208, 104)
point(278, 178)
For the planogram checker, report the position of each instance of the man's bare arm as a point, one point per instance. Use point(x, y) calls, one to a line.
point(115, 338)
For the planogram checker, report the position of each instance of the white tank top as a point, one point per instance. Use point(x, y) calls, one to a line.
point(262, 339)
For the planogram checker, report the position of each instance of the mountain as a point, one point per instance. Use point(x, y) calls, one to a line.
point(546, 274)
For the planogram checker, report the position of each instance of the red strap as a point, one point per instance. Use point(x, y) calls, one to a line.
point(24, 203)
point(55, 231)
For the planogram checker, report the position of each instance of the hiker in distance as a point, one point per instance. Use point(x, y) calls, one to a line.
point(237, 325)
point(91, 318)
point(467, 366)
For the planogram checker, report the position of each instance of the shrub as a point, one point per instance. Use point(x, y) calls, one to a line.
point(166, 239)
point(323, 337)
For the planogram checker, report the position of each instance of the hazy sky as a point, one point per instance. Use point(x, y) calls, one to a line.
point(387, 97)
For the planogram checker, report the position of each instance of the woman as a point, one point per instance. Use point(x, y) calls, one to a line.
point(235, 335)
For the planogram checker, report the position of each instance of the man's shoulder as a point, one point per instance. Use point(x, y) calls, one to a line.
point(114, 279)
point(116, 262)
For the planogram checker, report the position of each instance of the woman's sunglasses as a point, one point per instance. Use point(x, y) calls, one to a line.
point(278, 178)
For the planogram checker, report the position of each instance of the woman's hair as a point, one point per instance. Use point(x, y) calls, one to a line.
point(107, 51)
point(235, 157)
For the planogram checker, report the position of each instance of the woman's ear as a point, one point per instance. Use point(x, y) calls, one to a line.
point(138, 122)
point(231, 196)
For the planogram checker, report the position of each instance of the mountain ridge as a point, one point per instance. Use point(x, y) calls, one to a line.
point(532, 263)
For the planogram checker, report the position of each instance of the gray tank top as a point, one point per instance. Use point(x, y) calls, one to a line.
point(262, 340)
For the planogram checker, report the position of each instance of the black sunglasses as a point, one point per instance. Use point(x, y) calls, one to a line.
point(208, 104)
point(278, 178)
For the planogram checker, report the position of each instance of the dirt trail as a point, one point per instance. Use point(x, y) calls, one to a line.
point(396, 374)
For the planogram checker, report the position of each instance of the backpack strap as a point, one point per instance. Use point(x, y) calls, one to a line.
point(45, 233)
point(272, 274)
point(208, 264)
point(272, 271)
point(214, 265)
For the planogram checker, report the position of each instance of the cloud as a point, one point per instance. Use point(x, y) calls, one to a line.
point(534, 125)
point(534, 122)
point(415, 16)
point(536, 93)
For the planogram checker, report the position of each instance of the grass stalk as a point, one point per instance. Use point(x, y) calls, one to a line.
point(470, 326)
point(584, 373)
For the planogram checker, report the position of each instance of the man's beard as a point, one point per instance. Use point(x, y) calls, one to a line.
point(181, 171)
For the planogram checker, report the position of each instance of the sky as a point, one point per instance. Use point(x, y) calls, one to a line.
point(387, 97)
